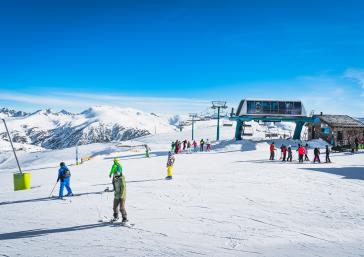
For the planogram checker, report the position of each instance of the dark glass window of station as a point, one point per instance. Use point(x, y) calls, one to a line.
point(274, 107)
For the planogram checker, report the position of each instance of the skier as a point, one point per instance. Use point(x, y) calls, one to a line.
point(328, 160)
point(194, 146)
point(170, 162)
point(120, 191)
point(272, 148)
point(201, 145)
point(64, 175)
point(189, 147)
point(284, 152)
point(306, 153)
point(316, 153)
point(147, 150)
point(176, 147)
point(281, 157)
point(289, 150)
point(173, 146)
point(301, 153)
point(356, 144)
point(184, 144)
point(208, 145)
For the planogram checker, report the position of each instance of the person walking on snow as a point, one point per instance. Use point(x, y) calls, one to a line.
point(316, 153)
point(201, 145)
point(289, 150)
point(271, 149)
point(208, 146)
point(119, 184)
point(327, 154)
point(64, 175)
point(170, 161)
point(147, 150)
point(184, 144)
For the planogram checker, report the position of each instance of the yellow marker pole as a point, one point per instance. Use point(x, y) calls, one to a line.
point(21, 180)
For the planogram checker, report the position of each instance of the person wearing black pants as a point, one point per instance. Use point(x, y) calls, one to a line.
point(327, 154)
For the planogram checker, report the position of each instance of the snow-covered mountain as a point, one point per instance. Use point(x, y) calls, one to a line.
point(99, 124)
point(5, 112)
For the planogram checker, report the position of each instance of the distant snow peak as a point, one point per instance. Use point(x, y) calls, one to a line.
point(11, 113)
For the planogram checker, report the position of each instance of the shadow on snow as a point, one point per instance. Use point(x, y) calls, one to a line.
point(347, 172)
point(44, 232)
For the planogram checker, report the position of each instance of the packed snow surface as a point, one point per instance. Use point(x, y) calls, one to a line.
point(231, 201)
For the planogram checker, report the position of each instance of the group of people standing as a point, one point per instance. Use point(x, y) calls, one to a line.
point(187, 147)
point(286, 153)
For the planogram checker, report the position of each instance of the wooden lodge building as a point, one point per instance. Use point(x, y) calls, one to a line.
point(338, 130)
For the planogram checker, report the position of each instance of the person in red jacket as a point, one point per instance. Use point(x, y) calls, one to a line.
point(284, 153)
point(301, 153)
point(272, 149)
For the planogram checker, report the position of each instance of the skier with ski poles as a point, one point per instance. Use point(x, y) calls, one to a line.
point(64, 175)
point(119, 184)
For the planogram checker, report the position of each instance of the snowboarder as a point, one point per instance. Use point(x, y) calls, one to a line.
point(327, 154)
point(170, 162)
point(289, 150)
point(201, 145)
point(194, 146)
point(284, 152)
point(272, 149)
point(306, 153)
point(208, 146)
point(119, 184)
point(316, 153)
point(301, 153)
point(64, 175)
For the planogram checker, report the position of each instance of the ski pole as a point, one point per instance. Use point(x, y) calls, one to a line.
point(53, 189)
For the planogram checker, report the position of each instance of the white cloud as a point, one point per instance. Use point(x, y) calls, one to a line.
point(78, 101)
point(356, 74)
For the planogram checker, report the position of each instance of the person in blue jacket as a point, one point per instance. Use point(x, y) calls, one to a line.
point(64, 175)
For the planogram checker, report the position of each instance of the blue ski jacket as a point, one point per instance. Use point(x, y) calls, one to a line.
point(63, 173)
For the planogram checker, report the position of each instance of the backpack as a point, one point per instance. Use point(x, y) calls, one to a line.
point(66, 173)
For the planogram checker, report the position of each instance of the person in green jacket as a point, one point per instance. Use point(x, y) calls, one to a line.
point(119, 184)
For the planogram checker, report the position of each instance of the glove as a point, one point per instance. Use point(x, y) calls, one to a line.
point(57, 179)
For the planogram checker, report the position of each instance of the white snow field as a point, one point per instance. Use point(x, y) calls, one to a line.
point(228, 202)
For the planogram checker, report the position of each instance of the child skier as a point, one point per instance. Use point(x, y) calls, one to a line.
point(120, 191)
point(316, 153)
point(170, 162)
point(64, 175)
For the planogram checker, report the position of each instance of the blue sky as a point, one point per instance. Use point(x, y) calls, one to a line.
point(177, 56)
